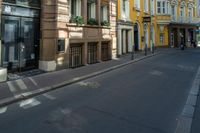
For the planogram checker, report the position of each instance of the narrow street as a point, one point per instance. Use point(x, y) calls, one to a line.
point(144, 97)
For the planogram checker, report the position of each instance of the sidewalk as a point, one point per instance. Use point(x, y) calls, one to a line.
point(25, 87)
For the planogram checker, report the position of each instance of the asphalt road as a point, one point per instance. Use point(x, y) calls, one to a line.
point(145, 97)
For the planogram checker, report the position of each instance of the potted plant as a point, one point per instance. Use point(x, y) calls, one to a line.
point(105, 23)
point(77, 19)
point(92, 21)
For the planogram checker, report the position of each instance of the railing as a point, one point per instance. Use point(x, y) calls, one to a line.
point(187, 19)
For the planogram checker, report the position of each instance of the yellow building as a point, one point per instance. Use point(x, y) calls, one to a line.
point(143, 33)
point(177, 22)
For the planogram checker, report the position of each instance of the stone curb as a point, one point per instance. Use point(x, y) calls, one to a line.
point(185, 121)
point(27, 95)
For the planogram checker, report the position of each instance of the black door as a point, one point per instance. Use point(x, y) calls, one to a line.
point(20, 40)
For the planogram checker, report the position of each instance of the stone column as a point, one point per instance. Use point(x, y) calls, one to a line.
point(48, 35)
point(130, 40)
point(124, 41)
point(84, 11)
point(186, 36)
point(98, 14)
point(194, 35)
point(99, 51)
point(119, 42)
point(179, 37)
point(85, 53)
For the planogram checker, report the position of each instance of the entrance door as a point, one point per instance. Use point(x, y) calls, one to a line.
point(136, 37)
point(19, 43)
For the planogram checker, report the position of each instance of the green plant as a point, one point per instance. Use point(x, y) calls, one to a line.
point(77, 19)
point(105, 23)
point(92, 21)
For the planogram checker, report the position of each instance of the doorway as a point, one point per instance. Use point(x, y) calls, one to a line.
point(136, 37)
point(20, 43)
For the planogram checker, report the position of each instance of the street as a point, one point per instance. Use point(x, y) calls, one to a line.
point(143, 97)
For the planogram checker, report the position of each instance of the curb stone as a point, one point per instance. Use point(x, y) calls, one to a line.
point(27, 95)
point(185, 122)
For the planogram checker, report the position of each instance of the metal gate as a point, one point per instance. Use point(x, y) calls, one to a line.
point(92, 53)
point(105, 54)
point(75, 56)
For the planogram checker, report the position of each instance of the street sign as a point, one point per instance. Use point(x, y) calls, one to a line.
point(146, 19)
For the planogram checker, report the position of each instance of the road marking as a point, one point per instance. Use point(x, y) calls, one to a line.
point(11, 86)
point(29, 103)
point(49, 96)
point(156, 73)
point(185, 122)
point(3, 110)
point(21, 84)
point(33, 81)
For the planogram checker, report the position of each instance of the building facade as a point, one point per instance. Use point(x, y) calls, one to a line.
point(124, 28)
point(142, 28)
point(56, 34)
point(177, 21)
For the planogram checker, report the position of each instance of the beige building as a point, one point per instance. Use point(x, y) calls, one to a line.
point(56, 34)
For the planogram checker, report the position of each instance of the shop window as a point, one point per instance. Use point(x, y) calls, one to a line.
point(61, 45)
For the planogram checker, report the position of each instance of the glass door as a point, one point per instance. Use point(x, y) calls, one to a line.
point(20, 43)
point(29, 43)
point(10, 42)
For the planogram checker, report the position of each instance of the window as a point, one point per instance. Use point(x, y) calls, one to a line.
point(137, 4)
point(158, 7)
point(152, 7)
point(190, 13)
point(173, 12)
point(161, 7)
point(91, 10)
point(146, 5)
point(75, 7)
point(125, 9)
point(104, 13)
point(34, 3)
point(61, 45)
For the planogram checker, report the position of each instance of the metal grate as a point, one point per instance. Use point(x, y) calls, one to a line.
point(75, 57)
point(105, 54)
point(92, 53)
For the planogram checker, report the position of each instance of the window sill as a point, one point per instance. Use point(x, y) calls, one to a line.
point(137, 9)
point(87, 26)
point(60, 52)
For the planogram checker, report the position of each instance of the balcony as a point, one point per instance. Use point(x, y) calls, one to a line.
point(185, 20)
point(163, 19)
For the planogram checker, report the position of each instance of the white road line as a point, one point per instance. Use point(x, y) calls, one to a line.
point(49, 96)
point(29, 103)
point(11, 87)
point(21, 84)
point(3, 110)
point(33, 81)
